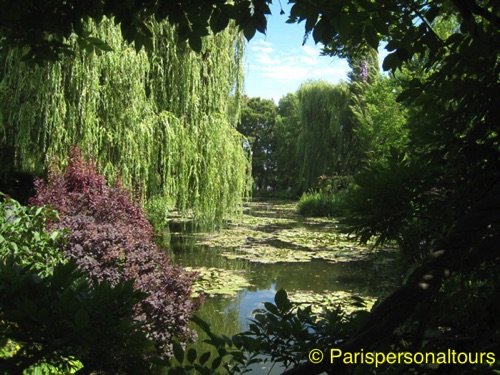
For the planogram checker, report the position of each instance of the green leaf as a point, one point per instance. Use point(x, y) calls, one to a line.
point(407, 95)
point(402, 54)
point(297, 10)
point(281, 299)
point(260, 22)
point(14, 247)
point(271, 308)
point(311, 20)
point(218, 22)
point(249, 32)
point(357, 298)
point(99, 44)
point(204, 358)
point(178, 352)
point(391, 45)
point(191, 355)
point(195, 43)
point(372, 38)
point(227, 340)
point(55, 235)
point(323, 31)
point(216, 363)
point(391, 62)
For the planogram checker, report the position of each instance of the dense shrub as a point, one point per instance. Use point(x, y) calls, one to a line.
point(282, 333)
point(326, 200)
point(60, 323)
point(318, 205)
point(52, 319)
point(111, 240)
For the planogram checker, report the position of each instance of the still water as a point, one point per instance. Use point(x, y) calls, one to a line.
point(370, 276)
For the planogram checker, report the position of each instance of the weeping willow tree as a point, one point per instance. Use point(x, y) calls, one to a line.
point(163, 119)
point(324, 142)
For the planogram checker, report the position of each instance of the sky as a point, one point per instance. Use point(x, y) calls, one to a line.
point(277, 63)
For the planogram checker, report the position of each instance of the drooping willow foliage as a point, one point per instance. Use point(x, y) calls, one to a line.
point(164, 118)
point(325, 139)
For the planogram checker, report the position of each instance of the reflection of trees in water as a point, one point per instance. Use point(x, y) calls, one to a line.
point(315, 278)
point(204, 256)
point(222, 315)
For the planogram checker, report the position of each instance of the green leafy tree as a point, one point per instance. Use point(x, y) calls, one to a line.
point(258, 118)
point(431, 197)
point(383, 121)
point(164, 118)
point(287, 130)
point(23, 236)
point(364, 64)
point(323, 143)
point(364, 73)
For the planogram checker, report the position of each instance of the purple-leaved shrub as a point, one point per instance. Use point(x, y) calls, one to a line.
point(111, 240)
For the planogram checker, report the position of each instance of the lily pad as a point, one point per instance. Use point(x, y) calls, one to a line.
point(269, 255)
point(217, 281)
point(328, 300)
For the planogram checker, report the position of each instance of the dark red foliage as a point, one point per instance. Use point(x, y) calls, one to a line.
point(111, 239)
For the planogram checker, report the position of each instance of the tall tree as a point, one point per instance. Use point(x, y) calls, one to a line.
point(287, 131)
point(166, 119)
point(323, 142)
point(258, 118)
point(382, 121)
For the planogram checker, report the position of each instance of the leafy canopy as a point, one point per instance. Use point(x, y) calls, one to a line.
point(43, 27)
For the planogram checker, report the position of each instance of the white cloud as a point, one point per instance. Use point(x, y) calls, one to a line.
point(275, 70)
point(263, 53)
point(294, 65)
point(311, 51)
point(262, 47)
point(263, 42)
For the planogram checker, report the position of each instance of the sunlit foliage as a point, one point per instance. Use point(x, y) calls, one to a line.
point(164, 119)
point(324, 141)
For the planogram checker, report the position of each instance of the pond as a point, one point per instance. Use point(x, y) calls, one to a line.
point(270, 247)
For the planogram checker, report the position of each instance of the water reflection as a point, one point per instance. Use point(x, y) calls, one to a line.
point(316, 276)
point(228, 316)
